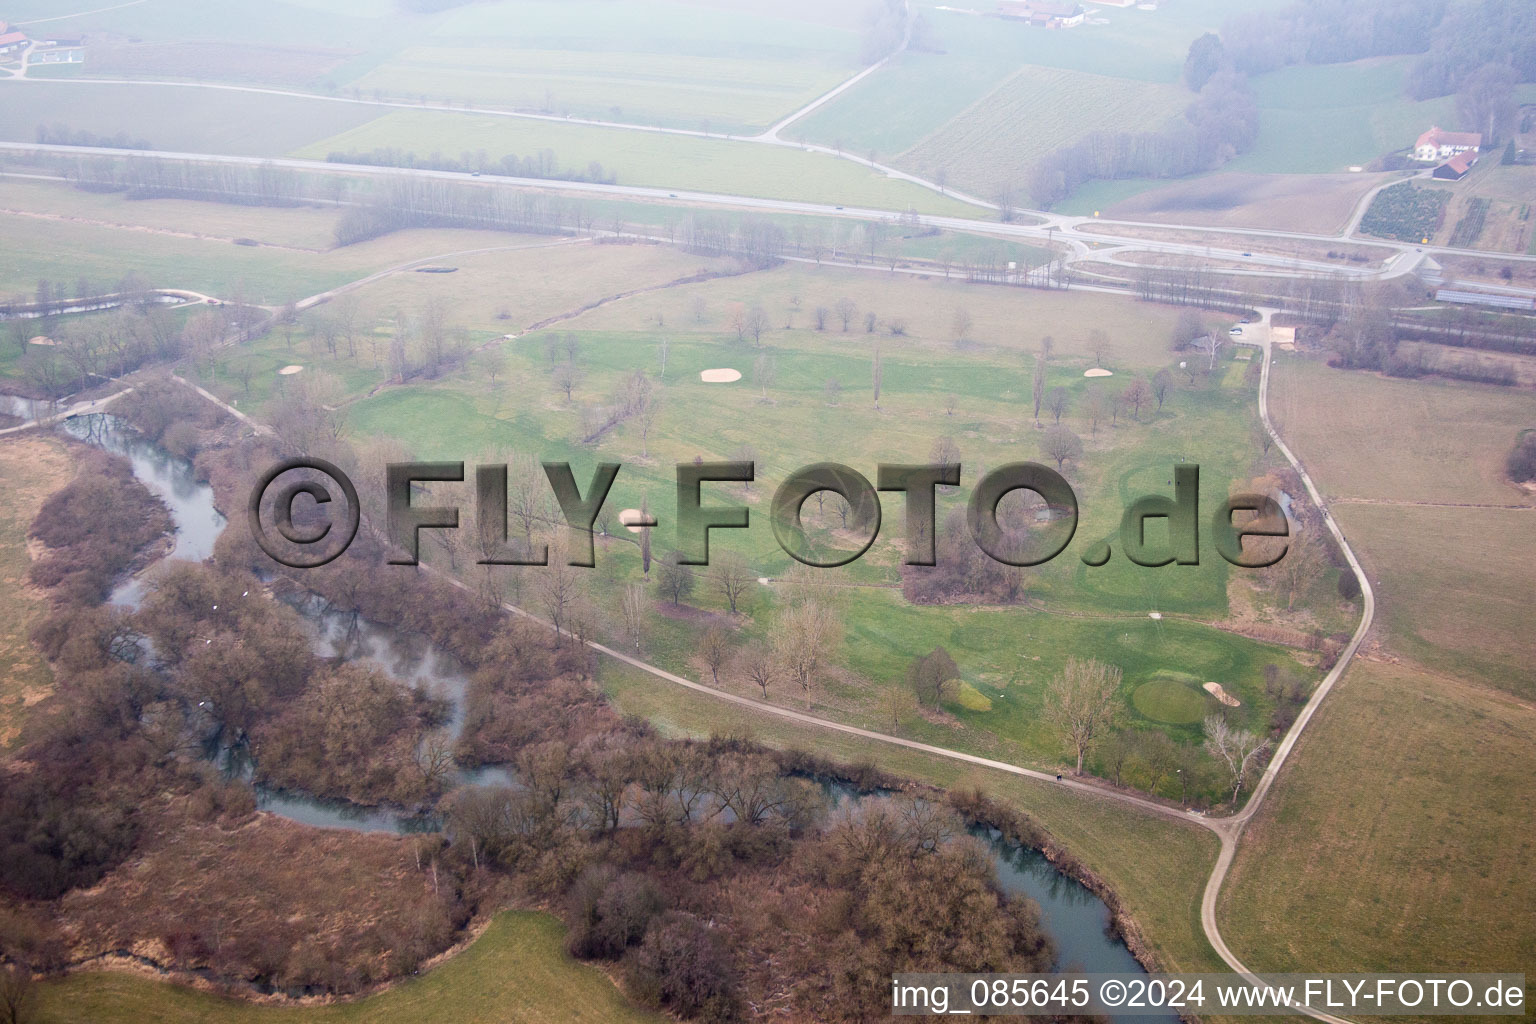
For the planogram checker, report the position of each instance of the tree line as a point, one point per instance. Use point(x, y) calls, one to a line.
point(541, 164)
point(1222, 122)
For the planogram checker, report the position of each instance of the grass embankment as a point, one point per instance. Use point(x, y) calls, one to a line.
point(517, 970)
point(32, 466)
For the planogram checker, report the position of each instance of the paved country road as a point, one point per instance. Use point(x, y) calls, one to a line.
point(1081, 233)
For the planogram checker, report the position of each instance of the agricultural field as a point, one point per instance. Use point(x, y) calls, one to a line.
point(1433, 513)
point(1492, 209)
point(1316, 203)
point(32, 466)
point(517, 969)
point(1399, 837)
point(728, 66)
point(171, 118)
point(1037, 110)
point(645, 158)
point(679, 64)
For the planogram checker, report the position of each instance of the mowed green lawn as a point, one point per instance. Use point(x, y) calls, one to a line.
point(1399, 838)
point(644, 158)
point(516, 971)
point(1006, 654)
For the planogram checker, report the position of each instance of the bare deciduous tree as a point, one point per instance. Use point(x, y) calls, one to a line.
point(757, 662)
point(1238, 749)
point(1136, 395)
point(1080, 702)
point(804, 636)
point(847, 309)
point(757, 323)
point(715, 649)
point(733, 577)
point(897, 703)
point(17, 994)
point(1061, 444)
point(1057, 401)
point(960, 325)
point(632, 605)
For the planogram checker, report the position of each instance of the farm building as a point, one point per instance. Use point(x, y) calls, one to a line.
point(10, 42)
point(1438, 144)
point(1457, 166)
point(1044, 13)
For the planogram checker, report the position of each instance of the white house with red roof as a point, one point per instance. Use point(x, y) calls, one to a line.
point(10, 42)
point(1439, 144)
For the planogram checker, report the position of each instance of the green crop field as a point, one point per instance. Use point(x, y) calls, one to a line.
point(1038, 110)
point(515, 971)
point(723, 94)
point(971, 55)
point(176, 118)
point(645, 158)
point(678, 64)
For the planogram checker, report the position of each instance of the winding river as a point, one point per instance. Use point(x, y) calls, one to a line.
point(1075, 918)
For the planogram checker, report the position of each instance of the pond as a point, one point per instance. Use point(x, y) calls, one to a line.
point(1075, 918)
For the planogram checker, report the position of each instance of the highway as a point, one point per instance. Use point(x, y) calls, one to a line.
point(1088, 238)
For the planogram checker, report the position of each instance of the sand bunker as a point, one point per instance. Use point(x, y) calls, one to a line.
point(41, 339)
point(629, 517)
point(290, 369)
point(1215, 690)
point(719, 376)
point(1097, 372)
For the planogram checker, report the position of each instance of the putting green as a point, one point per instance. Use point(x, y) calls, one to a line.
point(1170, 701)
